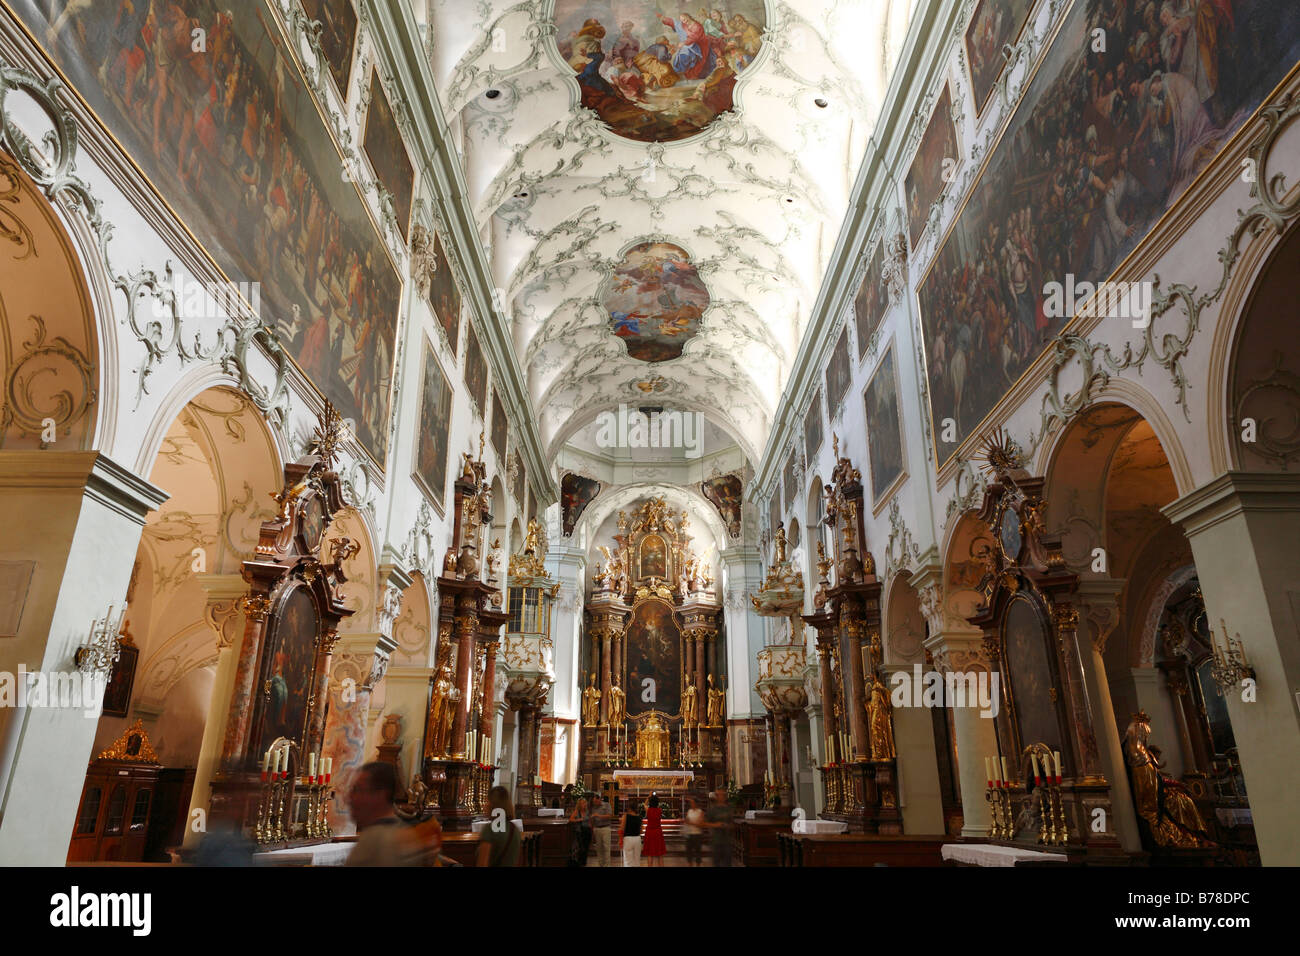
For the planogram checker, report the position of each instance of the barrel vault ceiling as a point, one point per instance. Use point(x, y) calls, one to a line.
point(754, 199)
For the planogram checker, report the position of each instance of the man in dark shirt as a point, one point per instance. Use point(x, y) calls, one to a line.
point(602, 819)
point(719, 821)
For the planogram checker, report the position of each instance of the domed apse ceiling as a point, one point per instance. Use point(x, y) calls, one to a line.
point(744, 171)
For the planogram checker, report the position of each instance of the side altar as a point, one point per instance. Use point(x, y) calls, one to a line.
point(654, 699)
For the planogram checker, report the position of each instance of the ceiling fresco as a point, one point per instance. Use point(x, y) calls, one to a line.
point(655, 301)
point(562, 188)
point(658, 76)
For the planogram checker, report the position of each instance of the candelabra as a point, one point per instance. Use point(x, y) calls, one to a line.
point(102, 647)
point(1230, 666)
point(318, 794)
point(995, 811)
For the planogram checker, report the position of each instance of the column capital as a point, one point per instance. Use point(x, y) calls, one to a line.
point(1098, 602)
point(96, 475)
point(959, 651)
point(1231, 494)
point(224, 606)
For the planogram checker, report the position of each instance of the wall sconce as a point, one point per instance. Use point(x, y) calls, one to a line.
point(1230, 666)
point(103, 647)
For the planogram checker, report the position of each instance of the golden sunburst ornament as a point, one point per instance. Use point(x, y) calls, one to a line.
point(1002, 453)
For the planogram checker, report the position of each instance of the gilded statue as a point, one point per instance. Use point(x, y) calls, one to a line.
point(880, 721)
point(690, 702)
point(617, 705)
point(1161, 801)
point(442, 711)
point(591, 704)
point(780, 543)
point(532, 543)
point(717, 700)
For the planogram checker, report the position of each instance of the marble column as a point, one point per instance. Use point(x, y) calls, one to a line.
point(224, 614)
point(358, 663)
point(1097, 599)
point(742, 576)
point(72, 523)
point(976, 736)
point(466, 625)
point(920, 798)
point(1243, 528)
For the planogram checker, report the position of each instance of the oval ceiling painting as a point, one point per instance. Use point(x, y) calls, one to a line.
point(655, 301)
point(654, 72)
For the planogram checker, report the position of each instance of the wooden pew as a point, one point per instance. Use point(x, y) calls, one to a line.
point(756, 841)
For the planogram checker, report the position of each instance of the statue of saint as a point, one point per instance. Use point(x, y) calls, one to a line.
point(690, 702)
point(441, 712)
point(532, 543)
point(780, 543)
point(717, 699)
point(880, 721)
point(1161, 801)
point(591, 704)
point(617, 700)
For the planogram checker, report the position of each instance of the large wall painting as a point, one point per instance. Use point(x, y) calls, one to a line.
point(576, 492)
point(996, 23)
point(434, 431)
point(1100, 148)
point(500, 426)
point(253, 173)
point(937, 155)
point(654, 653)
point(871, 301)
point(444, 295)
point(338, 36)
point(476, 375)
point(725, 492)
point(838, 374)
point(884, 428)
point(813, 433)
point(387, 152)
point(655, 299)
point(654, 72)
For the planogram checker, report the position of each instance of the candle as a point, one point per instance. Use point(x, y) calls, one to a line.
point(988, 771)
point(1057, 756)
point(329, 768)
point(311, 764)
point(1033, 759)
point(1006, 777)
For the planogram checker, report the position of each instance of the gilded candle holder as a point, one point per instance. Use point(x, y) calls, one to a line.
point(995, 812)
point(1062, 831)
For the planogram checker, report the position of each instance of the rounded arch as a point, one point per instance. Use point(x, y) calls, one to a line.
point(362, 569)
point(413, 628)
point(52, 334)
point(1121, 391)
point(193, 383)
point(1255, 367)
point(967, 546)
point(220, 466)
point(904, 630)
point(1255, 271)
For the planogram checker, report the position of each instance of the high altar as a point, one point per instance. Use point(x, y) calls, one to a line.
point(654, 695)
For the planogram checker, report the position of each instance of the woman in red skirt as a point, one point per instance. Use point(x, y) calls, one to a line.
point(653, 847)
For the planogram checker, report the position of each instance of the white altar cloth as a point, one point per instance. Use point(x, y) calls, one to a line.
point(819, 826)
point(323, 854)
point(986, 854)
point(550, 812)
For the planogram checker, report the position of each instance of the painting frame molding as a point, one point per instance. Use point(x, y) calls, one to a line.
point(353, 56)
point(882, 497)
point(1014, 40)
point(437, 502)
point(407, 213)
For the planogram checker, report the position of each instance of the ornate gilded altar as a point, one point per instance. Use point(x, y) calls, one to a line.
point(656, 699)
point(1030, 623)
point(459, 752)
point(292, 615)
point(860, 774)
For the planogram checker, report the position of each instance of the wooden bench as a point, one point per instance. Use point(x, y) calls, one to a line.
point(860, 849)
point(757, 842)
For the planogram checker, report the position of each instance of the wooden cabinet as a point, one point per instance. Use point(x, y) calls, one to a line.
point(117, 803)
